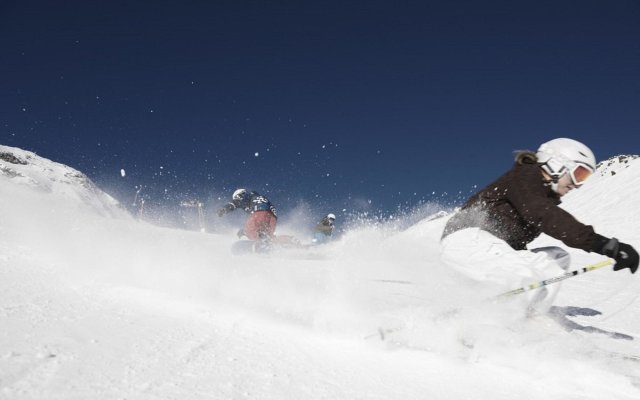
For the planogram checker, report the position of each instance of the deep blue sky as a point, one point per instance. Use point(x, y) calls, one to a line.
point(344, 102)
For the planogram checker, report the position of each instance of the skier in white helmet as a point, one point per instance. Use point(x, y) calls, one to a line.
point(487, 239)
point(324, 229)
point(566, 158)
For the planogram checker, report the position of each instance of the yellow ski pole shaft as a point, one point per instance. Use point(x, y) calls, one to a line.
point(559, 278)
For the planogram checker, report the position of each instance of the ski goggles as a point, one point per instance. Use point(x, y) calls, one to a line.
point(579, 174)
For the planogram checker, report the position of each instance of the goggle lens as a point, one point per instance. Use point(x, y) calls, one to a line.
point(580, 174)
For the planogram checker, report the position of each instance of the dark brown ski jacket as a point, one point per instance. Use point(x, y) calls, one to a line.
point(518, 207)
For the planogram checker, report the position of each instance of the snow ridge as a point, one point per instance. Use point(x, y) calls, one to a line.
point(615, 164)
point(29, 170)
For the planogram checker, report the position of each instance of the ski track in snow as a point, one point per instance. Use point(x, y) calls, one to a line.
point(96, 305)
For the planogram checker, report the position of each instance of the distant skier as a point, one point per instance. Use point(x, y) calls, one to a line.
point(324, 230)
point(487, 239)
point(262, 219)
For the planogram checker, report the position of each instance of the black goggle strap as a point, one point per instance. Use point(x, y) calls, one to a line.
point(555, 177)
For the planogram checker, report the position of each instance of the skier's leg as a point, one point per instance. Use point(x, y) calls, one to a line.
point(557, 260)
point(266, 224)
point(557, 254)
point(480, 256)
point(484, 258)
point(251, 227)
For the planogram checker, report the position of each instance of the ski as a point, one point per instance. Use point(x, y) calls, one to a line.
point(560, 315)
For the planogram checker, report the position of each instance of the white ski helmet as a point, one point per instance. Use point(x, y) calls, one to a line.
point(560, 156)
point(331, 217)
point(239, 194)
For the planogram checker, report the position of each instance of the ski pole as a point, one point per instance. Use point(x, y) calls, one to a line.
point(559, 278)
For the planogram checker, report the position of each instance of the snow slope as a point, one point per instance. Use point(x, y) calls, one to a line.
point(97, 305)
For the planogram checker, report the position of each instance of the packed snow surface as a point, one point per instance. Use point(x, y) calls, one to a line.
point(95, 304)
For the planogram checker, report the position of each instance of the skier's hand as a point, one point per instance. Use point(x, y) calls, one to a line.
point(625, 255)
point(240, 233)
point(227, 208)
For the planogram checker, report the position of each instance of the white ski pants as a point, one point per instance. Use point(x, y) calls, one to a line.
point(488, 260)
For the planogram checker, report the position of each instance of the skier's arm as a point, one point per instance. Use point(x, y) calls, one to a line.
point(554, 221)
point(533, 204)
point(226, 209)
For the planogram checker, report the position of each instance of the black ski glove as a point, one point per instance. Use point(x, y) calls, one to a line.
point(227, 207)
point(625, 255)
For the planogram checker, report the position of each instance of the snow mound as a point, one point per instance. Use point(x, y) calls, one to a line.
point(28, 170)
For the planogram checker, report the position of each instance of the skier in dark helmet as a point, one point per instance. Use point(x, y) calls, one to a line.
point(487, 239)
point(262, 219)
